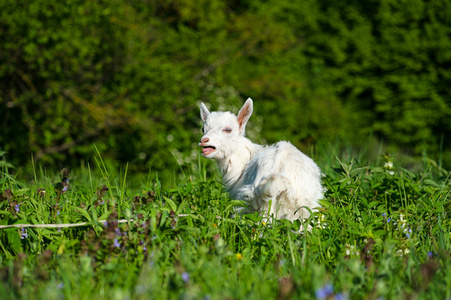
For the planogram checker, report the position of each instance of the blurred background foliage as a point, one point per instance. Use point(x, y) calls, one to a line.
point(128, 76)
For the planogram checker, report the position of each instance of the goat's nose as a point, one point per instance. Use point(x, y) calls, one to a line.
point(204, 140)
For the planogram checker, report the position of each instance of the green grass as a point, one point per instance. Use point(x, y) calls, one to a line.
point(382, 233)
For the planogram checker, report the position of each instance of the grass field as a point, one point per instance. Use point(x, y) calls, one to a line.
point(383, 232)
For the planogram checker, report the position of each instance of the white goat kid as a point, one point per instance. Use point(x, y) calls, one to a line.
point(279, 174)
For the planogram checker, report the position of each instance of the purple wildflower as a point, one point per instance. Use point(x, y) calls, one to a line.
point(282, 262)
point(105, 223)
point(409, 231)
point(324, 292)
point(118, 232)
point(116, 243)
point(340, 296)
point(385, 215)
point(58, 213)
point(17, 208)
point(60, 286)
point(23, 234)
point(430, 254)
point(185, 277)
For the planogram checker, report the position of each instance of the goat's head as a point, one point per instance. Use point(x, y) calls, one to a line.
point(223, 130)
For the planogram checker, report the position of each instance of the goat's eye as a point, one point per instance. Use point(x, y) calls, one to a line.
point(227, 130)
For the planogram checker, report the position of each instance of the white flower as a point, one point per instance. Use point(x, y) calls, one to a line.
point(388, 165)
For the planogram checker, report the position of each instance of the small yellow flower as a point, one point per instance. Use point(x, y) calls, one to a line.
point(239, 256)
point(215, 225)
point(264, 223)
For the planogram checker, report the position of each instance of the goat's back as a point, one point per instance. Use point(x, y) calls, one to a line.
point(281, 171)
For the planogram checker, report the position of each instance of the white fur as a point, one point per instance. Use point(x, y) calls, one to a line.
point(257, 174)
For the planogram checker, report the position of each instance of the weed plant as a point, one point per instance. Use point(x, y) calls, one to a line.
point(382, 232)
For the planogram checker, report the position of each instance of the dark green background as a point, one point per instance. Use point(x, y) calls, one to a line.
point(128, 76)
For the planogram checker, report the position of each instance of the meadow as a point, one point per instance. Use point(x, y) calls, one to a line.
point(383, 232)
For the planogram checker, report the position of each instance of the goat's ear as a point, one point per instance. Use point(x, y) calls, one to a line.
point(244, 114)
point(204, 112)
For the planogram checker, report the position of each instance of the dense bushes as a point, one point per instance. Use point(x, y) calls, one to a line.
point(129, 76)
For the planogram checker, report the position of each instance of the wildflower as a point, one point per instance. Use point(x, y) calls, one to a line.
point(17, 208)
point(282, 262)
point(340, 296)
point(239, 256)
point(322, 221)
point(23, 234)
point(351, 250)
point(185, 277)
point(65, 185)
point(401, 252)
point(430, 254)
point(388, 165)
point(60, 286)
point(324, 292)
point(116, 243)
point(408, 231)
point(402, 221)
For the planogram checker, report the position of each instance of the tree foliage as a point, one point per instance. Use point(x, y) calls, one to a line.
point(128, 76)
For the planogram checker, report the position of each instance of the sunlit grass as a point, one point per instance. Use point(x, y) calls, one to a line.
point(382, 232)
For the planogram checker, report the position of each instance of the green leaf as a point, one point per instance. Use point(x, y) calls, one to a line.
point(373, 204)
point(380, 232)
point(83, 212)
point(171, 203)
point(235, 203)
point(188, 228)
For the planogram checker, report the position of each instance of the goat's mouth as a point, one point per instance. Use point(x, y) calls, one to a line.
point(206, 150)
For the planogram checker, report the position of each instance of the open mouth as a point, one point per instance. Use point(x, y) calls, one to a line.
point(208, 150)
